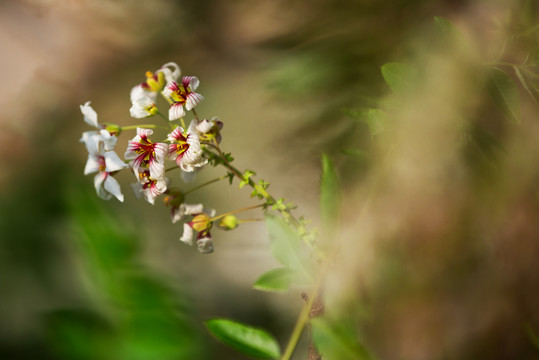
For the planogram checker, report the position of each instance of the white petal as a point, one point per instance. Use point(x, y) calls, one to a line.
point(113, 187)
point(205, 245)
point(92, 164)
point(109, 140)
point(139, 108)
point(188, 176)
point(169, 89)
point(176, 134)
point(139, 92)
point(142, 132)
point(192, 100)
point(175, 112)
point(176, 214)
point(171, 75)
point(190, 82)
point(187, 236)
point(204, 126)
point(90, 116)
point(113, 162)
point(190, 209)
point(137, 189)
point(99, 179)
point(92, 140)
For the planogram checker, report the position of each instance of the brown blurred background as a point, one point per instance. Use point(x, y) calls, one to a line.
point(439, 241)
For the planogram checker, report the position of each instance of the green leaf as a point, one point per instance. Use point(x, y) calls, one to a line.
point(285, 243)
point(276, 280)
point(398, 76)
point(504, 92)
point(329, 193)
point(447, 28)
point(524, 83)
point(359, 155)
point(335, 341)
point(375, 119)
point(250, 341)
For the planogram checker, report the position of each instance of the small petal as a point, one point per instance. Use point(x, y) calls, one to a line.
point(137, 190)
point(139, 92)
point(171, 75)
point(92, 140)
point(141, 108)
point(205, 245)
point(190, 209)
point(109, 141)
point(92, 164)
point(187, 236)
point(99, 179)
point(113, 162)
point(90, 116)
point(188, 176)
point(113, 187)
point(204, 126)
point(192, 100)
point(176, 112)
point(190, 82)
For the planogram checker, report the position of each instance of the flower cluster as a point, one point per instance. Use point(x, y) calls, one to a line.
point(147, 158)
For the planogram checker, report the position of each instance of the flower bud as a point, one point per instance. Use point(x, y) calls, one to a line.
point(113, 129)
point(173, 198)
point(201, 223)
point(205, 245)
point(229, 222)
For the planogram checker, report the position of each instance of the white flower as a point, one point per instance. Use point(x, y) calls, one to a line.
point(155, 82)
point(179, 212)
point(90, 116)
point(105, 163)
point(148, 186)
point(186, 149)
point(143, 107)
point(201, 223)
point(145, 152)
point(210, 130)
point(180, 95)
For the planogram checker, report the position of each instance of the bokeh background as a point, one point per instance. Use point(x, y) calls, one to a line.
point(437, 255)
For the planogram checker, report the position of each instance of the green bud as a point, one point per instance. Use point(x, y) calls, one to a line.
point(229, 222)
point(113, 129)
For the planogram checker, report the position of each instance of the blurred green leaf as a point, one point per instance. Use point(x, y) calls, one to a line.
point(250, 341)
point(329, 194)
point(532, 91)
point(398, 76)
point(375, 119)
point(285, 243)
point(447, 27)
point(357, 154)
point(277, 280)
point(504, 92)
point(336, 341)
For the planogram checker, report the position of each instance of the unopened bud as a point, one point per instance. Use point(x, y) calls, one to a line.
point(113, 129)
point(173, 198)
point(229, 222)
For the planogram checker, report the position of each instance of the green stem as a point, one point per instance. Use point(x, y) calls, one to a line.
point(303, 318)
point(235, 212)
point(250, 220)
point(146, 126)
point(205, 184)
point(163, 116)
point(260, 190)
point(172, 168)
point(195, 113)
point(501, 63)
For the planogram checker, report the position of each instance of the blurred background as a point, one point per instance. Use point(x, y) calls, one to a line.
point(437, 253)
